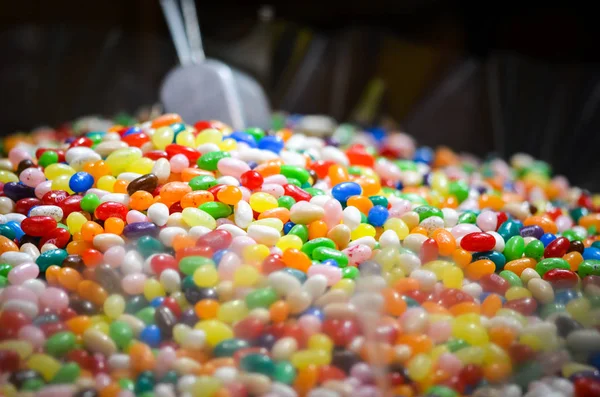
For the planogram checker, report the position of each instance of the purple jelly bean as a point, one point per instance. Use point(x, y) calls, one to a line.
point(532, 231)
point(17, 191)
point(139, 229)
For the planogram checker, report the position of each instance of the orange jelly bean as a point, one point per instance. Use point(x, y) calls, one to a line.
point(296, 259)
point(140, 200)
point(196, 199)
point(545, 223)
point(480, 268)
point(114, 225)
point(363, 203)
point(206, 308)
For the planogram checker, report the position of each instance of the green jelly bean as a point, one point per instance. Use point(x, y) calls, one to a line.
point(146, 315)
point(512, 278)
point(412, 197)
point(261, 297)
point(594, 301)
point(548, 264)
point(363, 218)
point(467, 217)
point(313, 191)
point(258, 363)
point(147, 394)
point(323, 253)
point(571, 235)
point(170, 377)
point(350, 272)
point(551, 308)
point(144, 383)
point(97, 137)
point(410, 302)
point(578, 212)
point(354, 170)
point(441, 391)
point(313, 244)
point(126, 384)
point(68, 373)
point(455, 345)
point(60, 343)
point(300, 231)
point(284, 372)
point(257, 133)
point(3, 281)
point(47, 158)
point(228, 347)
point(5, 268)
point(121, 333)
point(379, 200)
point(294, 181)
point(216, 209)
point(135, 304)
point(509, 228)
point(514, 249)
point(208, 161)
point(589, 267)
point(426, 211)
point(148, 245)
point(32, 384)
point(459, 189)
point(406, 165)
point(89, 202)
point(293, 171)
point(189, 264)
point(286, 202)
point(8, 232)
point(526, 373)
point(202, 182)
point(534, 250)
point(51, 257)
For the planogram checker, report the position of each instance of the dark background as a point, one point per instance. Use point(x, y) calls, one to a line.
point(479, 77)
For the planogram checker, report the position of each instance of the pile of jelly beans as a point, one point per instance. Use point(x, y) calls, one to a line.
point(165, 259)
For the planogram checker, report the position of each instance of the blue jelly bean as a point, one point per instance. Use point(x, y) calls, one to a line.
point(378, 133)
point(547, 238)
point(330, 262)
point(378, 215)
point(16, 228)
point(300, 275)
point(565, 296)
point(423, 155)
point(132, 131)
point(591, 253)
point(288, 226)
point(271, 143)
point(241, 136)
point(150, 335)
point(81, 181)
point(156, 302)
point(343, 191)
point(252, 164)
point(217, 256)
point(594, 360)
point(496, 257)
point(314, 311)
point(177, 128)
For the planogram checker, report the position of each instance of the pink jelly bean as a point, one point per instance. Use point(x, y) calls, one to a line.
point(228, 265)
point(42, 189)
point(232, 167)
point(333, 213)
point(240, 242)
point(246, 193)
point(133, 283)
point(165, 358)
point(310, 324)
point(439, 331)
point(358, 253)
point(463, 229)
point(19, 293)
point(54, 298)
point(32, 177)
point(449, 363)
point(57, 391)
point(275, 251)
point(33, 335)
point(102, 380)
point(487, 221)
point(276, 179)
point(179, 162)
point(332, 274)
point(114, 256)
point(135, 216)
point(563, 223)
point(17, 155)
point(273, 189)
point(23, 272)
point(224, 221)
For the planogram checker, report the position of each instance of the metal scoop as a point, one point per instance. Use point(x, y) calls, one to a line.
point(207, 89)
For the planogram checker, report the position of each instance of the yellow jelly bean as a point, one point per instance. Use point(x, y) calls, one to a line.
point(437, 351)
point(345, 285)
point(471, 355)
point(101, 326)
point(8, 390)
point(532, 341)
point(46, 365)
point(120, 159)
point(438, 267)
point(579, 309)
point(255, 254)
point(495, 354)
point(163, 137)
point(419, 367)
point(261, 202)
point(114, 306)
point(228, 145)
point(275, 223)
point(106, 182)
point(61, 182)
point(153, 289)
point(517, 293)
point(398, 226)
point(245, 276)
point(439, 182)
point(180, 332)
point(75, 221)
point(473, 334)
point(196, 217)
point(394, 275)
point(141, 166)
point(363, 230)
point(232, 311)
point(7, 176)
point(216, 331)
point(209, 135)
point(320, 342)
point(206, 276)
point(453, 277)
point(289, 241)
point(572, 368)
point(55, 170)
point(205, 386)
point(185, 138)
point(22, 348)
point(304, 358)
point(180, 299)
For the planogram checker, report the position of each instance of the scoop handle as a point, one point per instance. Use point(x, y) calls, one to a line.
point(176, 28)
point(192, 27)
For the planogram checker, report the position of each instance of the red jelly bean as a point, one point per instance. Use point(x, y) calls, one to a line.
point(24, 205)
point(294, 331)
point(172, 305)
point(204, 251)
point(50, 329)
point(329, 372)
point(9, 361)
point(478, 241)
point(59, 237)
point(156, 154)
point(272, 263)
point(587, 387)
point(82, 141)
point(429, 251)
point(471, 374)
point(358, 155)
point(520, 353)
point(38, 226)
point(296, 192)
point(249, 328)
point(554, 213)
point(175, 208)
point(54, 197)
point(162, 262)
point(92, 257)
point(341, 331)
point(251, 179)
point(71, 204)
point(136, 140)
point(419, 296)
point(561, 278)
point(216, 189)
point(192, 154)
point(111, 209)
point(502, 217)
point(81, 357)
point(525, 306)
point(99, 364)
point(452, 296)
point(12, 322)
point(321, 167)
point(494, 283)
point(557, 248)
point(217, 240)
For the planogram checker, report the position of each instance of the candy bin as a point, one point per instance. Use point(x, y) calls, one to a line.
point(166, 259)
